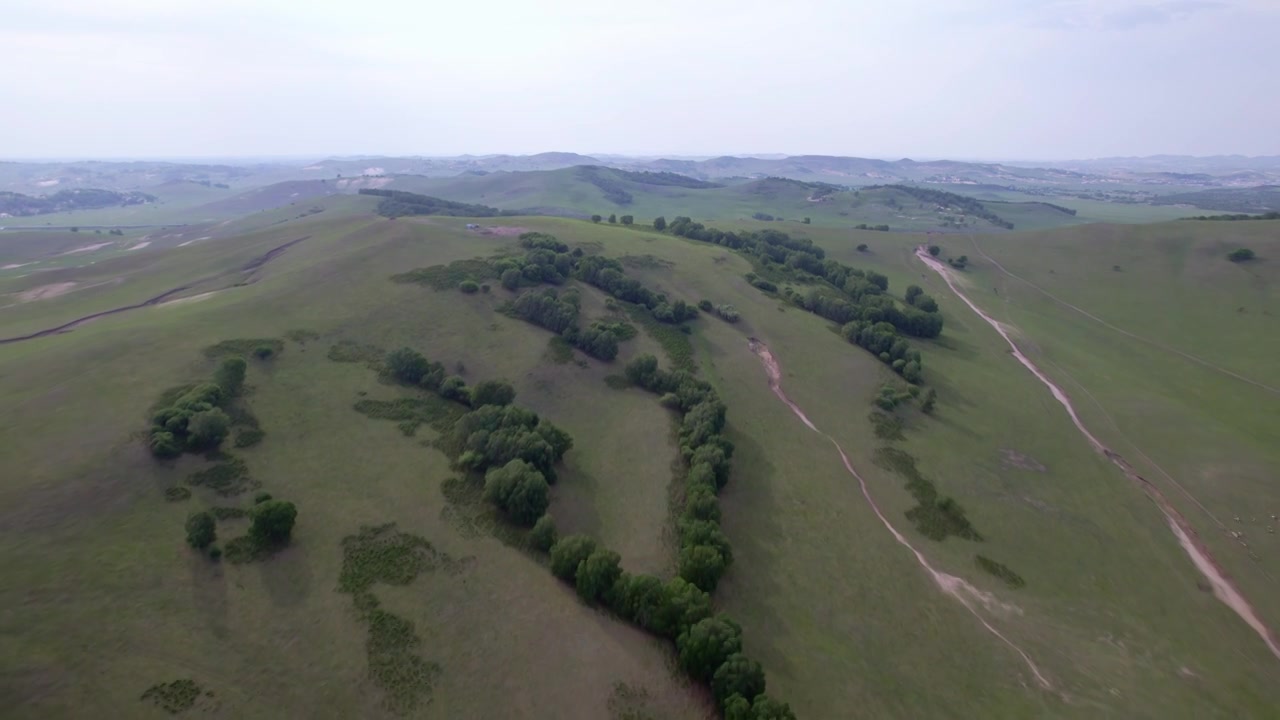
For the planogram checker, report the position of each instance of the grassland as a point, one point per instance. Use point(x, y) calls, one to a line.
point(839, 614)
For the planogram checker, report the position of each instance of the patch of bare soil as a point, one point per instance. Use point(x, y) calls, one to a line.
point(1014, 459)
point(44, 292)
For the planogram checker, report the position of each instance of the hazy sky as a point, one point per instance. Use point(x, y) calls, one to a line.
point(997, 79)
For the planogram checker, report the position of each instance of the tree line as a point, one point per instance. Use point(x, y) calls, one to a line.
point(970, 206)
point(398, 203)
point(855, 299)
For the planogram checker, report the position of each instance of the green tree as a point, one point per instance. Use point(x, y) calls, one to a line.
point(492, 392)
point(766, 708)
point(511, 278)
point(519, 490)
point(469, 287)
point(930, 399)
point(702, 565)
point(201, 530)
point(683, 604)
point(934, 250)
point(627, 219)
point(408, 366)
point(639, 599)
point(1241, 255)
point(596, 218)
point(543, 535)
point(163, 444)
point(911, 372)
point(659, 223)
point(230, 375)
point(273, 521)
point(568, 553)
point(613, 218)
point(208, 428)
point(737, 707)
point(739, 675)
point(597, 574)
point(707, 644)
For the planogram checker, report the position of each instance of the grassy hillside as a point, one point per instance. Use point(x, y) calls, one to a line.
point(584, 191)
point(838, 612)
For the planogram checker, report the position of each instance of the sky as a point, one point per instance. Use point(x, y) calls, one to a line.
point(962, 79)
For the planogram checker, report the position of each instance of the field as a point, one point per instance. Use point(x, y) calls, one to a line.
point(103, 600)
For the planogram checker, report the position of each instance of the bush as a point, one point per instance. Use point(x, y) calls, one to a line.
point(230, 376)
point(511, 279)
point(934, 250)
point(739, 675)
point(261, 498)
point(930, 399)
point(470, 287)
point(407, 365)
point(492, 392)
point(706, 645)
point(862, 247)
point(568, 553)
point(264, 352)
point(208, 428)
point(201, 530)
point(273, 521)
point(543, 535)
point(1241, 255)
point(597, 574)
point(519, 490)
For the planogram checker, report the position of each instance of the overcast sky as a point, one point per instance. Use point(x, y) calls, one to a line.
point(994, 79)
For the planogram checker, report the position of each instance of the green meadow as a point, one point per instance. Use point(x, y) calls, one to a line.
point(104, 601)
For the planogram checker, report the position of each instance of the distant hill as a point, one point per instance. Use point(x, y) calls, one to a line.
point(18, 205)
point(1261, 199)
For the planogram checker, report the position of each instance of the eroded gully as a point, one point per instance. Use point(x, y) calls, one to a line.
point(959, 589)
point(1223, 588)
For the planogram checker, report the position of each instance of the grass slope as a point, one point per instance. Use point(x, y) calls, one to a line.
point(838, 612)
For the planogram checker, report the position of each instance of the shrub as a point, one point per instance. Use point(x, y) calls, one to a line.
point(568, 553)
point(862, 247)
point(208, 428)
point(492, 392)
point(407, 365)
point(264, 352)
point(707, 644)
point(702, 565)
point(739, 675)
point(273, 521)
point(261, 498)
point(230, 375)
point(1241, 255)
point(469, 287)
point(215, 553)
point(543, 535)
point(519, 490)
point(934, 250)
point(201, 530)
point(597, 574)
point(164, 445)
point(930, 399)
point(705, 306)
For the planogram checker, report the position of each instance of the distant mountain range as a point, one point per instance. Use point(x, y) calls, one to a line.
point(1159, 174)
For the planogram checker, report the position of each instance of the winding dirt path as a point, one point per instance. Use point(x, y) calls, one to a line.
point(1122, 331)
point(1190, 541)
point(966, 594)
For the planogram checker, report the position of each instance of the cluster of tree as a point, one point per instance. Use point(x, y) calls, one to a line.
point(708, 646)
point(1238, 216)
point(608, 275)
point(610, 187)
point(725, 312)
point(398, 203)
point(969, 205)
point(1059, 208)
point(491, 436)
point(705, 553)
point(864, 226)
point(195, 421)
point(271, 526)
point(558, 312)
point(766, 217)
point(19, 205)
point(547, 260)
point(881, 339)
point(959, 263)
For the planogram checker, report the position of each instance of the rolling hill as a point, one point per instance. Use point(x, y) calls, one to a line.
point(960, 549)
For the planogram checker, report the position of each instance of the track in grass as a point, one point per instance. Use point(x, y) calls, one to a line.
point(956, 587)
point(1223, 588)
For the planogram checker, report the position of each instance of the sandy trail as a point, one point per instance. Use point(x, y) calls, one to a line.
point(966, 594)
point(1223, 588)
point(1122, 331)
